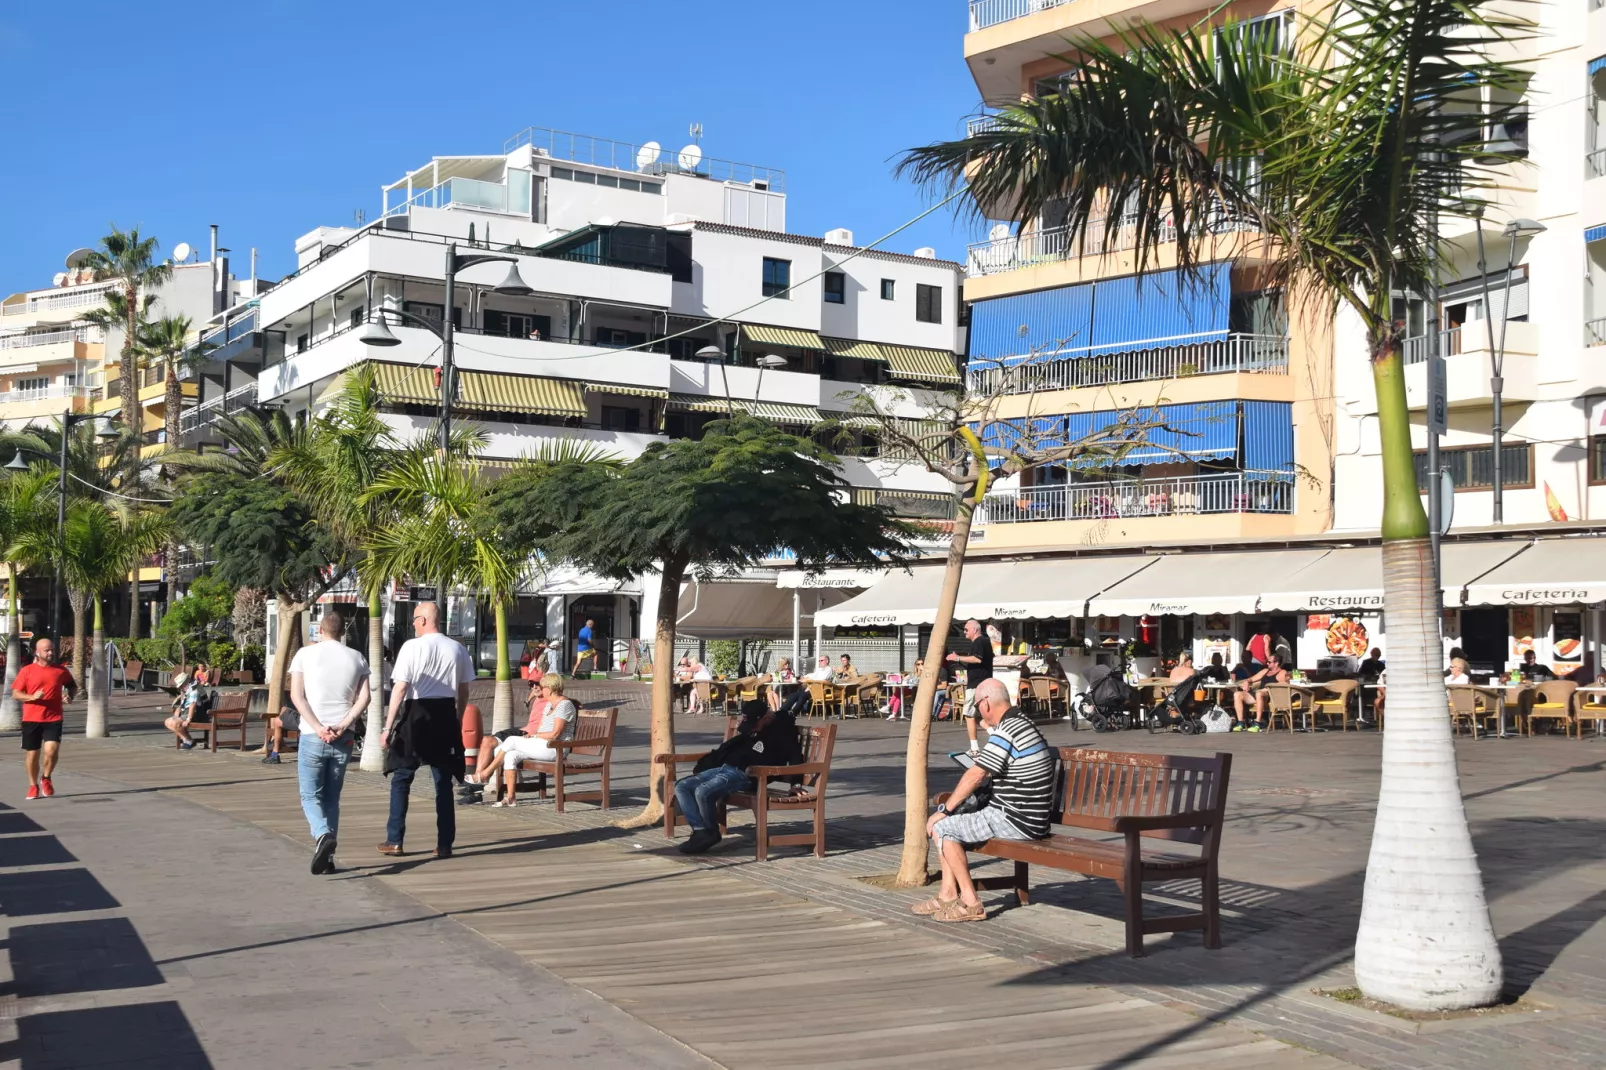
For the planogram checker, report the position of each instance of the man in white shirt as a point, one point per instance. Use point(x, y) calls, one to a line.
point(424, 726)
point(822, 669)
point(329, 688)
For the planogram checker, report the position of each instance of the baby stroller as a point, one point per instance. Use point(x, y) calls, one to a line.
point(1107, 702)
point(1180, 708)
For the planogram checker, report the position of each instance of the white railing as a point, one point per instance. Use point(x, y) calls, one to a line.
point(44, 393)
point(207, 413)
point(1595, 163)
point(70, 299)
point(1416, 349)
point(1228, 492)
point(43, 338)
point(1101, 236)
point(1595, 332)
point(980, 124)
point(985, 13)
point(1235, 353)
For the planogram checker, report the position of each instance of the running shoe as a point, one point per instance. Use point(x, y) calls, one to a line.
point(46, 788)
point(33, 791)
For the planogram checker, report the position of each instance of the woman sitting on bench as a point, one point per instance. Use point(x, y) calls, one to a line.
point(550, 722)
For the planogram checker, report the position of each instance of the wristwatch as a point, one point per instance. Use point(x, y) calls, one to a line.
point(942, 808)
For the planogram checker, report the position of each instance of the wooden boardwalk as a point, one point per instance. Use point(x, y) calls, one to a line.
point(745, 975)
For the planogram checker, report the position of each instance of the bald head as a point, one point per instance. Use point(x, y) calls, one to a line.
point(972, 629)
point(44, 652)
point(993, 691)
point(426, 618)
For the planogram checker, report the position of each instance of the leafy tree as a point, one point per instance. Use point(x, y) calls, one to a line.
point(129, 260)
point(197, 618)
point(742, 492)
point(1344, 156)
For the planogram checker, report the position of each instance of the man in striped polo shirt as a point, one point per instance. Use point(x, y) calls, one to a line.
point(1021, 766)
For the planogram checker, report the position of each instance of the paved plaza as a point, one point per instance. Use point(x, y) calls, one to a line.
point(163, 899)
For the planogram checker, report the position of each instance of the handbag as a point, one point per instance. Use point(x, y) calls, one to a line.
point(980, 799)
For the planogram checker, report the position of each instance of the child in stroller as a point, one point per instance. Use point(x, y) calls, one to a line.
point(1181, 707)
point(1107, 702)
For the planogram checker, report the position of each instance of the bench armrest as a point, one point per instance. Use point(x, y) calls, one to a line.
point(677, 759)
point(765, 772)
point(1189, 819)
point(599, 741)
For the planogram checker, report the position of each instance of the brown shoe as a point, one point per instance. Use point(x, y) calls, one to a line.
point(390, 849)
point(932, 905)
point(443, 853)
point(958, 911)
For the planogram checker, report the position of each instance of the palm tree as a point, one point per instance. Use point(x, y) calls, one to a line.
point(27, 503)
point(96, 549)
point(1343, 155)
point(168, 340)
point(130, 261)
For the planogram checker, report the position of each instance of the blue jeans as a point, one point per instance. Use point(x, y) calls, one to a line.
point(401, 783)
point(700, 794)
point(321, 769)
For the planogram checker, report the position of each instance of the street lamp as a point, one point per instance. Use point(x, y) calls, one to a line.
point(68, 420)
point(768, 360)
point(375, 333)
point(713, 353)
point(1517, 228)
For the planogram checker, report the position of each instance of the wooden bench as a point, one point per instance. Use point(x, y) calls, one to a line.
point(133, 676)
point(1162, 796)
point(230, 713)
point(816, 744)
point(589, 753)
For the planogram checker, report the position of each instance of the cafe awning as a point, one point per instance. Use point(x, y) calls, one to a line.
point(740, 609)
point(840, 578)
point(781, 336)
point(988, 590)
point(1201, 583)
point(1549, 572)
point(1351, 577)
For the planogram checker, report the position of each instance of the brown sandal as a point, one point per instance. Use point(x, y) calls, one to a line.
point(958, 911)
point(932, 906)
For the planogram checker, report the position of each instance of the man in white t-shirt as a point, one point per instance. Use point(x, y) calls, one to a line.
point(425, 726)
point(329, 688)
point(822, 669)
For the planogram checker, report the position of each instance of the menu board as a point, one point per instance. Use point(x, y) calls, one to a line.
point(1567, 631)
point(1522, 631)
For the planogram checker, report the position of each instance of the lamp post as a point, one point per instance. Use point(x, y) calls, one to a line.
point(768, 360)
point(1517, 228)
point(69, 419)
point(375, 333)
point(712, 353)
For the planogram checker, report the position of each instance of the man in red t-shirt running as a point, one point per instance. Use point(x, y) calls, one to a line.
point(39, 688)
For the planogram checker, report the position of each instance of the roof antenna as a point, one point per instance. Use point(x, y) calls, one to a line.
point(696, 133)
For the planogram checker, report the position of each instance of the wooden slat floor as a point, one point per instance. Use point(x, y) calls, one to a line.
point(745, 975)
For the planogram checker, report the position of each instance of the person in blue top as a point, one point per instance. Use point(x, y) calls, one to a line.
point(582, 647)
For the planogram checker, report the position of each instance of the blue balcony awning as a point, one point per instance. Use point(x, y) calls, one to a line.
point(1163, 308)
point(1595, 234)
point(1011, 329)
point(1597, 63)
point(1269, 439)
point(1008, 436)
point(1204, 431)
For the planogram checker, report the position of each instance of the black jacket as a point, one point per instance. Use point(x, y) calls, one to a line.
point(776, 744)
point(427, 732)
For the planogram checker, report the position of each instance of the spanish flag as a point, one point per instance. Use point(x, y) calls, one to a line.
point(1554, 504)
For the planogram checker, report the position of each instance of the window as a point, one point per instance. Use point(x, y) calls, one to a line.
point(836, 286)
point(619, 418)
point(777, 277)
point(928, 303)
point(357, 316)
point(886, 289)
point(1473, 468)
point(1597, 458)
point(31, 387)
point(301, 343)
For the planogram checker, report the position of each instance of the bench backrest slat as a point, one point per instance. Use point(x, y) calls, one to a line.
point(1097, 786)
point(593, 732)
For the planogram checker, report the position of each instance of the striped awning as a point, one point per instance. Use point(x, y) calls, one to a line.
point(858, 421)
point(696, 403)
point(521, 393)
point(629, 391)
point(781, 412)
point(847, 347)
point(781, 336)
point(407, 383)
point(1595, 234)
point(907, 362)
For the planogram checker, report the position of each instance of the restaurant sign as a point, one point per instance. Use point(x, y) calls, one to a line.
point(1322, 603)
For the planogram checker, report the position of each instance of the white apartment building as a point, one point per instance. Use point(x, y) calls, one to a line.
point(639, 260)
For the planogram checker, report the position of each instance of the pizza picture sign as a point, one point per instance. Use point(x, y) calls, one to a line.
point(1346, 636)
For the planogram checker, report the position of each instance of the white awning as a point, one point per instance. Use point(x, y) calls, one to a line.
point(737, 609)
point(1201, 583)
point(568, 580)
point(839, 578)
point(988, 590)
point(1549, 572)
point(1351, 577)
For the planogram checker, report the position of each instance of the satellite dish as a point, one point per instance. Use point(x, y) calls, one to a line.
point(78, 257)
point(999, 232)
point(690, 157)
point(181, 251)
point(648, 155)
point(59, 279)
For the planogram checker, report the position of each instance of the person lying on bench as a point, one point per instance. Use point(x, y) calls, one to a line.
point(764, 737)
point(1018, 765)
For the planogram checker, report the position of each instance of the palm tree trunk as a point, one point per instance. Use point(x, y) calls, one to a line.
point(10, 712)
point(663, 676)
point(916, 805)
point(502, 705)
point(289, 612)
point(1425, 940)
point(134, 427)
point(373, 753)
point(78, 601)
point(173, 401)
point(98, 683)
point(133, 606)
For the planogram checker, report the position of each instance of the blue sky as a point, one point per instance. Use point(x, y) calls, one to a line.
point(273, 117)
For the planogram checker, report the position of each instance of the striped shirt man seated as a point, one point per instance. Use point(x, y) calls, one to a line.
point(1020, 766)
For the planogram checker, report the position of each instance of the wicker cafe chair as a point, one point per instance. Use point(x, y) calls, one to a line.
point(1463, 708)
point(1552, 701)
point(823, 698)
point(1340, 694)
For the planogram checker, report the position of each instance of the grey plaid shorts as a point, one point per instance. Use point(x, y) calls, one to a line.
point(971, 830)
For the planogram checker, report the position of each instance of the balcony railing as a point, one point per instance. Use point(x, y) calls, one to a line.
point(207, 414)
point(44, 393)
point(1595, 332)
point(1416, 349)
point(1101, 236)
point(985, 13)
point(1595, 163)
point(622, 156)
point(1228, 492)
point(1235, 353)
point(43, 338)
point(66, 299)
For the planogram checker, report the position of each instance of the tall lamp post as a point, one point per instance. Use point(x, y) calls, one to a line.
point(375, 333)
point(1517, 228)
point(708, 354)
point(768, 360)
point(69, 420)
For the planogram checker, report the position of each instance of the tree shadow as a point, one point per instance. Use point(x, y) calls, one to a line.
point(143, 1036)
